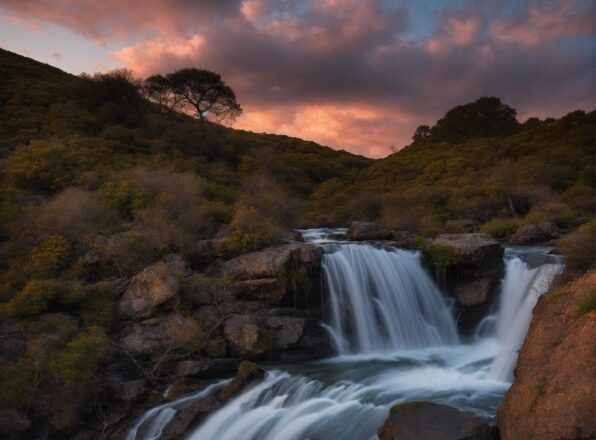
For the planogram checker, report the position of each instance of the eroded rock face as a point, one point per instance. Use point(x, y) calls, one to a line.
point(535, 233)
point(431, 421)
point(153, 290)
point(360, 231)
point(245, 336)
point(552, 396)
point(469, 267)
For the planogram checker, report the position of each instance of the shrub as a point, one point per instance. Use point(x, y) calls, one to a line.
point(499, 228)
point(17, 383)
point(37, 297)
point(81, 359)
point(579, 247)
point(123, 197)
point(51, 255)
point(251, 231)
point(74, 214)
point(587, 303)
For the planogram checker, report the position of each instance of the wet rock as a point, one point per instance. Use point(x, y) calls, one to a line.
point(153, 290)
point(189, 416)
point(286, 330)
point(552, 396)
point(12, 340)
point(535, 233)
point(431, 421)
point(14, 424)
point(367, 231)
point(468, 267)
point(245, 336)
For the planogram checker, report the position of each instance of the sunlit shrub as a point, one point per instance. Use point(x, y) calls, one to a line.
point(36, 297)
point(499, 228)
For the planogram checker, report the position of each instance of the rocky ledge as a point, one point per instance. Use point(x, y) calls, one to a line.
point(552, 397)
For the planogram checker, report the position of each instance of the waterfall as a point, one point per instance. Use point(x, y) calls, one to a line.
point(520, 290)
point(382, 300)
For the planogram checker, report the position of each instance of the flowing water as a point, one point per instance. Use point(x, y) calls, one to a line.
point(396, 341)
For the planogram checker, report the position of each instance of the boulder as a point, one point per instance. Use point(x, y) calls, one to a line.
point(245, 336)
point(431, 421)
point(154, 290)
point(367, 231)
point(204, 252)
point(12, 340)
point(286, 330)
point(154, 336)
point(552, 396)
point(247, 374)
point(469, 267)
point(535, 233)
point(270, 290)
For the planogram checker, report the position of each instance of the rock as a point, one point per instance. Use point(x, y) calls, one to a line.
point(271, 262)
point(204, 252)
point(367, 231)
point(474, 293)
point(206, 368)
point(535, 233)
point(404, 240)
point(14, 424)
point(247, 374)
point(286, 330)
point(468, 267)
point(552, 396)
point(153, 290)
point(132, 390)
point(189, 416)
point(271, 290)
point(245, 336)
point(12, 340)
point(431, 421)
point(153, 336)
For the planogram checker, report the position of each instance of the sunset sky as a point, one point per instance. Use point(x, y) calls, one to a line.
point(354, 74)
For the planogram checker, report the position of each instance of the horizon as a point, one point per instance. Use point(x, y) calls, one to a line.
point(317, 72)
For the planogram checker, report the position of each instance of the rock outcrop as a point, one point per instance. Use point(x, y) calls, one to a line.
point(153, 290)
point(431, 421)
point(360, 231)
point(552, 396)
point(469, 267)
point(535, 233)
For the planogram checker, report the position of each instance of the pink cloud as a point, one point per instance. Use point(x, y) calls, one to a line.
point(543, 25)
point(456, 31)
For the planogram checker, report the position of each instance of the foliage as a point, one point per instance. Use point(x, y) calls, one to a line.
point(579, 247)
point(36, 297)
point(200, 92)
point(587, 303)
point(499, 228)
point(51, 255)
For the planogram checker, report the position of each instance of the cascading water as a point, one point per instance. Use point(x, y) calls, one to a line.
point(382, 300)
point(397, 342)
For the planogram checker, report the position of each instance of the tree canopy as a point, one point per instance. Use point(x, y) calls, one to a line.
point(200, 93)
point(484, 118)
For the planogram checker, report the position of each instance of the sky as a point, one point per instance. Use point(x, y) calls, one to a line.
point(359, 75)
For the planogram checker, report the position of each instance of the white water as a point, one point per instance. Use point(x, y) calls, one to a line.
point(382, 300)
point(398, 344)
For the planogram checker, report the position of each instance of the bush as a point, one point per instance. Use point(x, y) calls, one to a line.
point(579, 247)
point(51, 255)
point(74, 214)
point(37, 297)
point(499, 228)
point(587, 303)
point(17, 383)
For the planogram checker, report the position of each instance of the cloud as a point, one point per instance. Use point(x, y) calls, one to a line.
point(347, 73)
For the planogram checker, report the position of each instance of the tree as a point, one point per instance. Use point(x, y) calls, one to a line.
point(487, 117)
point(199, 92)
point(422, 132)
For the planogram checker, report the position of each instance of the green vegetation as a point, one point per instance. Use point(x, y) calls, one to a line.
point(587, 303)
point(579, 247)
